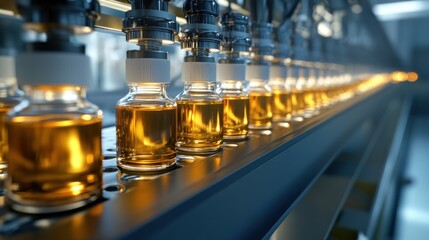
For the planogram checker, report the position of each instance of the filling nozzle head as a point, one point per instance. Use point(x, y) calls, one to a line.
point(75, 16)
point(149, 24)
point(236, 37)
point(262, 43)
point(60, 20)
point(200, 35)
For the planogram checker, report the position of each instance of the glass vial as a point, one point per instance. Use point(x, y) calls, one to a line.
point(146, 118)
point(10, 96)
point(310, 91)
point(200, 110)
point(296, 84)
point(54, 136)
point(260, 97)
point(235, 109)
point(282, 107)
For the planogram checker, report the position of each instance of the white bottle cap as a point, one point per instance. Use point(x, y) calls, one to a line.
point(147, 70)
point(231, 71)
point(53, 68)
point(199, 72)
point(277, 71)
point(261, 72)
point(7, 70)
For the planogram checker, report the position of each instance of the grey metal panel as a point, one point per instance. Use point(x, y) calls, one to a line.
point(378, 174)
point(312, 219)
point(320, 207)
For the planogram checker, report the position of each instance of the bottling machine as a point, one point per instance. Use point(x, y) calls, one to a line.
point(327, 125)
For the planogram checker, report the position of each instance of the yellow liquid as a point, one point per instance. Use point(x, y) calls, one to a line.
point(55, 163)
point(324, 97)
point(4, 108)
point(200, 126)
point(282, 105)
point(145, 138)
point(310, 99)
point(260, 111)
point(298, 103)
point(235, 117)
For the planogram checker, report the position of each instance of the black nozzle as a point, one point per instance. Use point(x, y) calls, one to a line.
point(201, 32)
point(235, 30)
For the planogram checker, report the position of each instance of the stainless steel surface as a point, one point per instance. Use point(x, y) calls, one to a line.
point(413, 210)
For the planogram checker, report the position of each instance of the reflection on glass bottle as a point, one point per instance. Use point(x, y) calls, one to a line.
point(282, 106)
point(146, 129)
point(260, 102)
point(200, 118)
point(236, 109)
point(55, 150)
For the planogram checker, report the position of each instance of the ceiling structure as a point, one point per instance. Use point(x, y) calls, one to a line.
point(406, 25)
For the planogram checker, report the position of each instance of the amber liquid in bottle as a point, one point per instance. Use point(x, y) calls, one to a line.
point(310, 99)
point(55, 162)
point(282, 105)
point(4, 149)
point(200, 126)
point(298, 104)
point(236, 117)
point(145, 137)
point(260, 110)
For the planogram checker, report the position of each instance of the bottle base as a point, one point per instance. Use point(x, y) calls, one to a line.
point(261, 127)
point(235, 137)
point(282, 119)
point(200, 150)
point(42, 208)
point(145, 168)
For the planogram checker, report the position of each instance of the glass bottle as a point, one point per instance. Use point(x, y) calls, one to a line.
point(10, 96)
point(282, 106)
point(260, 97)
point(146, 128)
point(298, 91)
point(200, 118)
point(310, 91)
point(55, 150)
point(55, 156)
point(236, 109)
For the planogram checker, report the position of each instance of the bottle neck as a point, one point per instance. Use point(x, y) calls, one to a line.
point(200, 86)
point(231, 85)
point(55, 94)
point(148, 88)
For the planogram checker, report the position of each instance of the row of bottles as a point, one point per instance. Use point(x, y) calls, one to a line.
point(52, 138)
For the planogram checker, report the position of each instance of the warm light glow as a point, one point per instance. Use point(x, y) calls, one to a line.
point(400, 10)
point(115, 5)
point(86, 117)
point(76, 188)
point(399, 76)
point(412, 76)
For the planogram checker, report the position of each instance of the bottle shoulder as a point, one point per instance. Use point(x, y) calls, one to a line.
point(56, 110)
point(199, 96)
point(146, 100)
